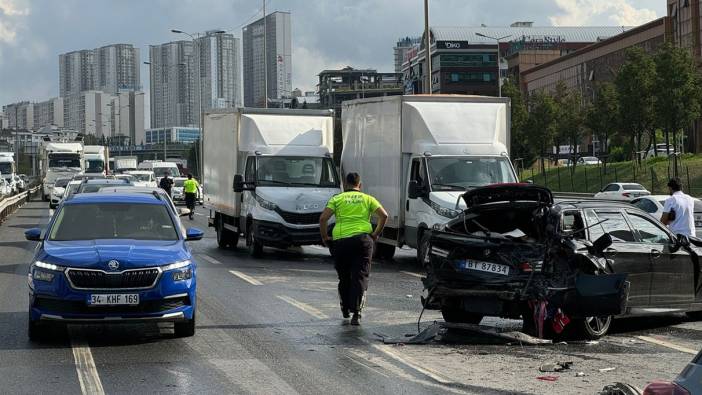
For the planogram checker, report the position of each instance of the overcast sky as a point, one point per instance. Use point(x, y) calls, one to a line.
point(325, 33)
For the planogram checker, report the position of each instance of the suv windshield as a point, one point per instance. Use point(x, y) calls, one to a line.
point(62, 182)
point(296, 171)
point(142, 177)
point(161, 171)
point(178, 183)
point(96, 221)
point(94, 166)
point(469, 172)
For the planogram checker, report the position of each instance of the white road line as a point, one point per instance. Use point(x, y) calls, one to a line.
point(210, 259)
point(304, 307)
point(51, 212)
point(667, 344)
point(246, 278)
point(200, 214)
point(387, 350)
point(418, 275)
point(90, 383)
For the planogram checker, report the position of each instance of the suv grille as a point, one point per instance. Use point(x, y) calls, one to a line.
point(97, 279)
point(299, 219)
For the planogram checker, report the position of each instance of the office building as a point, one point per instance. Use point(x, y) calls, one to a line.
point(117, 68)
point(171, 135)
point(48, 112)
point(403, 46)
point(275, 63)
point(3, 121)
point(337, 86)
point(19, 116)
point(464, 61)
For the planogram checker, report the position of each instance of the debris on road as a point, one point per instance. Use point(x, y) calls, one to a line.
point(603, 370)
point(555, 367)
point(580, 374)
point(620, 389)
point(439, 328)
point(547, 378)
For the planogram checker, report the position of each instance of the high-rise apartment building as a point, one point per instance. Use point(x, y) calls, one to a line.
point(20, 115)
point(127, 117)
point(88, 112)
point(175, 89)
point(172, 85)
point(76, 72)
point(48, 112)
point(117, 68)
point(275, 56)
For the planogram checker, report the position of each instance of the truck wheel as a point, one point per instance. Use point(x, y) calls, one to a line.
point(384, 251)
point(254, 246)
point(45, 197)
point(423, 249)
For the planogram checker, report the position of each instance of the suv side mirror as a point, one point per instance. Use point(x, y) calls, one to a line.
point(414, 190)
point(33, 234)
point(602, 243)
point(238, 183)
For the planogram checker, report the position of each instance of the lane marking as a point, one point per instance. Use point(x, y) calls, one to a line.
point(387, 350)
point(304, 307)
point(412, 274)
point(200, 214)
point(210, 259)
point(51, 212)
point(668, 344)
point(88, 376)
point(246, 278)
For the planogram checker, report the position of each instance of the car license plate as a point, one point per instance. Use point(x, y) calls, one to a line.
point(113, 299)
point(488, 267)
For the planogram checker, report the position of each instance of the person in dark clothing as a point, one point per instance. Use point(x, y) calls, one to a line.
point(166, 183)
point(352, 242)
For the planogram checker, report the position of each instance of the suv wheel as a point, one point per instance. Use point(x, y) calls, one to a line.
point(35, 330)
point(593, 328)
point(185, 328)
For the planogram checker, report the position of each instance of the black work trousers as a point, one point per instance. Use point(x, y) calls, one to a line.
point(352, 261)
point(190, 202)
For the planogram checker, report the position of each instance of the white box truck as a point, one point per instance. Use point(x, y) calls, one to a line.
point(59, 160)
point(268, 174)
point(8, 169)
point(418, 154)
point(124, 163)
point(96, 159)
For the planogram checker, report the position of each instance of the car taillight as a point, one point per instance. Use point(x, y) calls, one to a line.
point(526, 267)
point(626, 194)
point(664, 388)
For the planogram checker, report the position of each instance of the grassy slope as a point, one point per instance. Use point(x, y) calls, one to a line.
point(653, 174)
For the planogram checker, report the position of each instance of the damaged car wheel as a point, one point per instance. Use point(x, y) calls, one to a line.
point(593, 328)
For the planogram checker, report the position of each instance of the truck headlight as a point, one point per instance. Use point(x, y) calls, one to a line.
point(443, 211)
point(266, 204)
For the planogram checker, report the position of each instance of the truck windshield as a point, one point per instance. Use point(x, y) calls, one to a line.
point(159, 172)
point(64, 161)
point(296, 171)
point(94, 166)
point(469, 172)
point(6, 168)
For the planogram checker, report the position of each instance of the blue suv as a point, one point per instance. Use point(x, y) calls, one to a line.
point(113, 257)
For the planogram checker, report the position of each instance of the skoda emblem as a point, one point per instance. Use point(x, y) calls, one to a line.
point(113, 265)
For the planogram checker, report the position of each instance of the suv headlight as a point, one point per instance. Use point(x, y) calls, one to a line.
point(48, 266)
point(443, 211)
point(182, 270)
point(42, 271)
point(266, 204)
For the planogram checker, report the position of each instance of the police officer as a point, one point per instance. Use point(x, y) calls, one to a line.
point(190, 187)
point(166, 183)
point(351, 243)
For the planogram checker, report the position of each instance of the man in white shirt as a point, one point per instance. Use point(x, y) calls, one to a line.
point(678, 211)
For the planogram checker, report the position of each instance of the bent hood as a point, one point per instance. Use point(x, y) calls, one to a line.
point(95, 254)
point(448, 199)
point(499, 193)
point(298, 200)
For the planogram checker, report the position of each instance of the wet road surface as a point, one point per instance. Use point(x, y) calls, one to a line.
point(273, 325)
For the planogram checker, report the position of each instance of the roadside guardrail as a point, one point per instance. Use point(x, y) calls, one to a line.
point(10, 204)
point(573, 195)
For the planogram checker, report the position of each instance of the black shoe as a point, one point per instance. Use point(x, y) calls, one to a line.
point(356, 319)
point(345, 313)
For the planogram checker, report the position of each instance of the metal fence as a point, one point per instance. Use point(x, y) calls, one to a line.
point(10, 204)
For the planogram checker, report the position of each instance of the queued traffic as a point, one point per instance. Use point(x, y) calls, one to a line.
point(116, 247)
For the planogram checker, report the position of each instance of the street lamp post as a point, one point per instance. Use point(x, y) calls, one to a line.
point(196, 48)
point(427, 46)
point(499, 69)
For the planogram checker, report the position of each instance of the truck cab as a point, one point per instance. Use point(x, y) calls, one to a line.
point(59, 160)
point(8, 170)
point(96, 160)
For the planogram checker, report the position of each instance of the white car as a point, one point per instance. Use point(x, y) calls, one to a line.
point(589, 161)
point(5, 188)
point(653, 204)
point(622, 191)
point(70, 189)
point(57, 192)
point(143, 178)
point(179, 195)
point(21, 185)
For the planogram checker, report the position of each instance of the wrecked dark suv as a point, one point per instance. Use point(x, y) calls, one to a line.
point(565, 266)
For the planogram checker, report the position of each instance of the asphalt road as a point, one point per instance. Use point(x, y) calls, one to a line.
point(273, 326)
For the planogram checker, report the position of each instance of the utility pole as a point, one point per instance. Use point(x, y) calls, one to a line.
point(265, 56)
point(427, 47)
point(499, 70)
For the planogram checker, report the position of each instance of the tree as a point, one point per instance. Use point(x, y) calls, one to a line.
point(519, 146)
point(569, 118)
point(635, 84)
point(677, 91)
point(602, 118)
point(541, 125)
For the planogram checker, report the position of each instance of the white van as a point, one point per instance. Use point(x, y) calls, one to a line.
point(160, 168)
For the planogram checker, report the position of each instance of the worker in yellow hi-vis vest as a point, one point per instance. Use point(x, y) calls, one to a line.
point(352, 241)
point(190, 187)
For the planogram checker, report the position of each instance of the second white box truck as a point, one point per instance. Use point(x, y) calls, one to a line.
point(268, 174)
point(418, 154)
